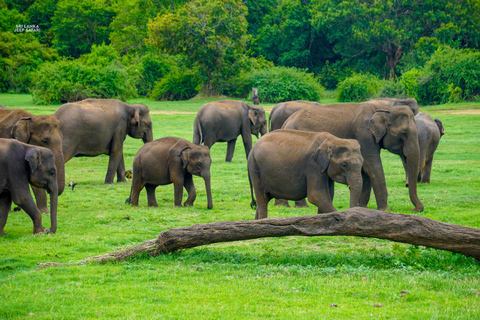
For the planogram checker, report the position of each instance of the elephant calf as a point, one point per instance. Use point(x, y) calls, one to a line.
point(292, 165)
point(170, 160)
point(22, 164)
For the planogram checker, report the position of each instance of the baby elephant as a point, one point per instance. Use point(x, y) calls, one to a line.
point(170, 160)
point(22, 164)
point(292, 165)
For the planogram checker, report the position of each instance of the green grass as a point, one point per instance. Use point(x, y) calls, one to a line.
point(273, 278)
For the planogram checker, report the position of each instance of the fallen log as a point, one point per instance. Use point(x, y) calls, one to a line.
point(360, 222)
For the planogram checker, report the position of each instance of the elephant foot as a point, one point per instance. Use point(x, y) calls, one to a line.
point(301, 204)
point(44, 210)
point(418, 209)
point(3, 233)
point(17, 209)
point(188, 204)
point(41, 230)
point(282, 202)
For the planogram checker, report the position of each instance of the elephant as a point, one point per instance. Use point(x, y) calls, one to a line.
point(255, 99)
point(93, 127)
point(170, 160)
point(429, 133)
point(282, 111)
point(225, 120)
point(38, 130)
point(375, 127)
point(294, 164)
point(22, 164)
point(388, 102)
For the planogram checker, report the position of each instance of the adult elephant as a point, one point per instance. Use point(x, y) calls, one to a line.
point(375, 127)
point(282, 111)
point(429, 133)
point(27, 164)
point(93, 127)
point(225, 120)
point(389, 102)
point(38, 130)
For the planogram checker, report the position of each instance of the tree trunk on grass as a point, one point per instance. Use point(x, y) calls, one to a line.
point(360, 222)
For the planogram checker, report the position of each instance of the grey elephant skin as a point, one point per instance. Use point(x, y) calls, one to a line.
point(38, 130)
point(282, 111)
point(225, 120)
point(22, 164)
point(93, 127)
point(429, 133)
point(375, 127)
point(292, 165)
point(170, 160)
point(390, 102)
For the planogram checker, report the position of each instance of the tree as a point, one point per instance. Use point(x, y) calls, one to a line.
point(212, 34)
point(80, 24)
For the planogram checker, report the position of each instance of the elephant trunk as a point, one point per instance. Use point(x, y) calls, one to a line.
point(148, 136)
point(411, 152)
point(263, 130)
point(355, 184)
point(53, 189)
point(60, 165)
point(208, 188)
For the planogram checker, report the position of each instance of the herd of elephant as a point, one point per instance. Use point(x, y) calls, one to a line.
point(309, 147)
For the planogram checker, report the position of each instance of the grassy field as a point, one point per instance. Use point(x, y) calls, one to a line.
point(274, 278)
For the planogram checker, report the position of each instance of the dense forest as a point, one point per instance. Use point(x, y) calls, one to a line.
point(66, 50)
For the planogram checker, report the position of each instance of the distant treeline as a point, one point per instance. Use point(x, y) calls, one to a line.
point(65, 50)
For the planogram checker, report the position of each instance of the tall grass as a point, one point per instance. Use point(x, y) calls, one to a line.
point(276, 278)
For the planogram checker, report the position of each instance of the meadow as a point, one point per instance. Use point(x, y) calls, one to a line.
point(271, 278)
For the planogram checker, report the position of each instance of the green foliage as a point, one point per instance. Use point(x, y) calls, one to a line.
point(332, 73)
point(41, 13)
point(176, 85)
point(392, 89)
point(96, 75)
point(280, 84)
point(359, 87)
point(212, 34)
point(449, 75)
point(78, 25)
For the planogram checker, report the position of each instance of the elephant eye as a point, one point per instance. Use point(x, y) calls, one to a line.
point(45, 142)
point(344, 165)
point(52, 172)
point(198, 164)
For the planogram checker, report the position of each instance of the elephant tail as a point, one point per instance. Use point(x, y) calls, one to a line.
point(253, 204)
point(197, 132)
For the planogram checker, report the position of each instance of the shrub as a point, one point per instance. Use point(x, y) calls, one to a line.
point(392, 89)
point(358, 87)
point(279, 84)
point(177, 85)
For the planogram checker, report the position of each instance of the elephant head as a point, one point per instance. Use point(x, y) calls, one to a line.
point(43, 174)
point(395, 130)
point(140, 124)
point(43, 131)
point(197, 161)
point(258, 120)
point(343, 161)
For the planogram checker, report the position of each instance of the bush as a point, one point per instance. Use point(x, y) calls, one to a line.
point(450, 75)
point(392, 89)
point(177, 85)
point(359, 87)
point(71, 80)
point(279, 84)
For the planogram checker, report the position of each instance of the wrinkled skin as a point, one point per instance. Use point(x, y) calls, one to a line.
point(292, 165)
point(170, 160)
point(22, 164)
point(390, 102)
point(375, 127)
point(282, 111)
point(429, 133)
point(93, 127)
point(41, 130)
point(225, 120)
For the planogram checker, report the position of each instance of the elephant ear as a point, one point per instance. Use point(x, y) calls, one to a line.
point(378, 124)
point(136, 117)
point(322, 155)
point(252, 115)
point(21, 130)
point(185, 156)
point(32, 156)
point(440, 126)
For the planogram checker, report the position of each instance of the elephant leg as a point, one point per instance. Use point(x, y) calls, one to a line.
point(322, 200)
point(192, 193)
point(135, 192)
point(282, 202)
point(301, 204)
point(427, 171)
point(230, 150)
point(262, 205)
point(5, 205)
point(29, 206)
point(121, 170)
point(151, 198)
point(178, 192)
point(41, 199)
point(366, 191)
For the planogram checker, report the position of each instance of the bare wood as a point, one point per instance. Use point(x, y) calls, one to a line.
point(357, 221)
